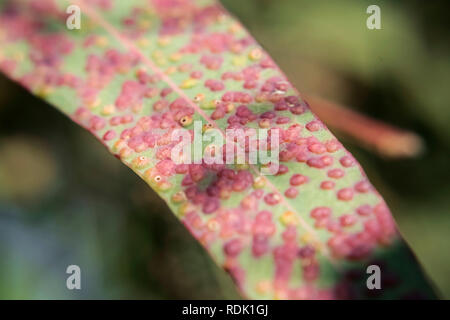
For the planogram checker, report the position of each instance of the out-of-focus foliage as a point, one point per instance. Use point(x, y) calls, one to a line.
point(397, 75)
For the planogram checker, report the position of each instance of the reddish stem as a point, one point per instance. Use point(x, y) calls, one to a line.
point(384, 138)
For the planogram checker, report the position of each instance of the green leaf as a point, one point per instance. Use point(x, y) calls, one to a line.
point(137, 71)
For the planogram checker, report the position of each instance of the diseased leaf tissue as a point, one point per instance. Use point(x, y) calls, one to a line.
point(307, 232)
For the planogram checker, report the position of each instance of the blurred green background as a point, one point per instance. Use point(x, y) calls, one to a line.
point(64, 200)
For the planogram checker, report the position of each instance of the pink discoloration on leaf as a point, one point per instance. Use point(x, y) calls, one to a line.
point(165, 63)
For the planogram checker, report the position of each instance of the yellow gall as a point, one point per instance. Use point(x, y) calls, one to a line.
point(276, 96)
point(179, 197)
point(229, 108)
point(108, 110)
point(263, 287)
point(261, 97)
point(137, 107)
point(44, 91)
point(149, 11)
point(164, 41)
point(205, 238)
point(123, 69)
point(255, 54)
point(151, 92)
point(171, 70)
point(247, 202)
point(101, 42)
point(235, 28)
point(144, 24)
point(224, 194)
point(157, 54)
point(119, 144)
point(149, 175)
point(239, 60)
point(206, 127)
point(185, 208)
point(199, 97)
point(185, 67)
point(242, 166)
point(264, 123)
point(94, 104)
point(221, 18)
point(164, 186)
point(188, 83)
point(306, 238)
point(236, 47)
point(259, 182)
point(319, 246)
point(174, 57)
point(207, 105)
point(156, 180)
point(140, 162)
point(185, 121)
point(125, 152)
point(280, 294)
point(289, 218)
point(18, 56)
point(161, 61)
point(159, 106)
point(143, 42)
point(213, 225)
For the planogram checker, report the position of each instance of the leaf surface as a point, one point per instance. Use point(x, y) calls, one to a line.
point(137, 71)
